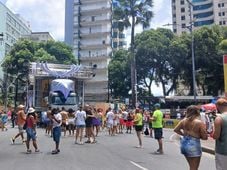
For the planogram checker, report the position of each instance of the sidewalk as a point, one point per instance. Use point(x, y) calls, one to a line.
point(208, 145)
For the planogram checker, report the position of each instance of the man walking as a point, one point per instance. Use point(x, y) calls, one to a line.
point(21, 118)
point(57, 121)
point(220, 134)
point(157, 125)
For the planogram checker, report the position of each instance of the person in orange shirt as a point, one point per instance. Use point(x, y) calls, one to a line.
point(21, 118)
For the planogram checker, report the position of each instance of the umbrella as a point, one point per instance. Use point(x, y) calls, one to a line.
point(209, 106)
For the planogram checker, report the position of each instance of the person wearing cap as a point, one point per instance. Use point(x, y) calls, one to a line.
point(157, 125)
point(220, 135)
point(21, 118)
point(31, 130)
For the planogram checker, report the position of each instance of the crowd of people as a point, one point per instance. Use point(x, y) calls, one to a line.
point(86, 122)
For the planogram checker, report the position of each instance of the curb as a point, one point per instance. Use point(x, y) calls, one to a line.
point(208, 150)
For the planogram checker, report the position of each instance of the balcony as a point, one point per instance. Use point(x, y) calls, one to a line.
point(96, 22)
point(94, 57)
point(94, 34)
point(96, 11)
point(94, 1)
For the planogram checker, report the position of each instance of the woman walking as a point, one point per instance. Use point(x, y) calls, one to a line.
point(31, 130)
point(192, 129)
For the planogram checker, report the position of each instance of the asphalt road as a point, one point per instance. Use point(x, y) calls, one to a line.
point(109, 153)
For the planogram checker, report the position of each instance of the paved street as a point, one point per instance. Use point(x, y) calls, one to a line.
point(112, 153)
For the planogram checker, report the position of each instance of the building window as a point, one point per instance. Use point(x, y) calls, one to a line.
point(223, 13)
point(223, 22)
point(182, 9)
point(182, 17)
point(114, 44)
point(219, 5)
point(182, 2)
point(175, 30)
point(219, 14)
point(222, 4)
point(220, 23)
point(103, 42)
point(90, 30)
point(92, 18)
point(183, 25)
point(174, 15)
point(89, 53)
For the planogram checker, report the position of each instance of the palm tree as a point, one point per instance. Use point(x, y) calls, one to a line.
point(132, 13)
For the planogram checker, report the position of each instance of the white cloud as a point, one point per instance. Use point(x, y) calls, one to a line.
point(43, 15)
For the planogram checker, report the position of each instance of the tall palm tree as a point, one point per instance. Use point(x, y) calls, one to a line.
point(132, 13)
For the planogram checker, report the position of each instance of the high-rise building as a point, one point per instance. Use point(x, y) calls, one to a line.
point(118, 36)
point(12, 27)
point(88, 31)
point(39, 36)
point(204, 12)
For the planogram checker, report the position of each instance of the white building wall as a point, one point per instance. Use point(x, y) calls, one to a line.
point(92, 43)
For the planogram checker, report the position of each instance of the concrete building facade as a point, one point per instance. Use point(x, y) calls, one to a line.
point(204, 12)
point(12, 27)
point(39, 36)
point(88, 25)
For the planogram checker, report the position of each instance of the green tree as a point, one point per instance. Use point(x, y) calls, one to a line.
point(153, 47)
point(119, 79)
point(132, 13)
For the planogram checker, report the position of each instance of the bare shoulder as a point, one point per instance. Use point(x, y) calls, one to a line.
point(218, 120)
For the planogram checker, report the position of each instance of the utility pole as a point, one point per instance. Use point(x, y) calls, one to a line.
point(192, 48)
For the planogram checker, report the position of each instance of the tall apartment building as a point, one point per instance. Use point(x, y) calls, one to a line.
point(88, 31)
point(204, 12)
point(39, 36)
point(118, 37)
point(12, 27)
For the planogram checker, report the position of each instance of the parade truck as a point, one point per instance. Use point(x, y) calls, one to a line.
point(63, 94)
point(56, 85)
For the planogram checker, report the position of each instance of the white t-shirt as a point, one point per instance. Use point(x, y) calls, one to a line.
point(110, 117)
point(80, 117)
point(58, 117)
point(125, 115)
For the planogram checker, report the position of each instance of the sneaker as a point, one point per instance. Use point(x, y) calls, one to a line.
point(87, 141)
point(24, 141)
point(54, 152)
point(158, 152)
point(29, 151)
point(12, 140)
point(37, 150)
point(139, 146)
point(81, 143)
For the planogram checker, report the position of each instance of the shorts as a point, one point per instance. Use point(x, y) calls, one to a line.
point(220, 161)
point(20, 128)
point(158, 133)
point(31, 134)
point(56, 134)
point(80, 126)
point(139, 128)
point(110, 125)
point(190, 146)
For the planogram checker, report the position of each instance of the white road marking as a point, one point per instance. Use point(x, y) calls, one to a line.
point(139, 166)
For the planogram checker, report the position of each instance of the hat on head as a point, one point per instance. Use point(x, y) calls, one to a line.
point(20, 106)
point(31, 110)
point(157, 105)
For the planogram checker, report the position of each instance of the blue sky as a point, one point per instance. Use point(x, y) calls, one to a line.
point(48, 15)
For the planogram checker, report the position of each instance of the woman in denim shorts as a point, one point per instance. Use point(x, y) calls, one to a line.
point(191, 129)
